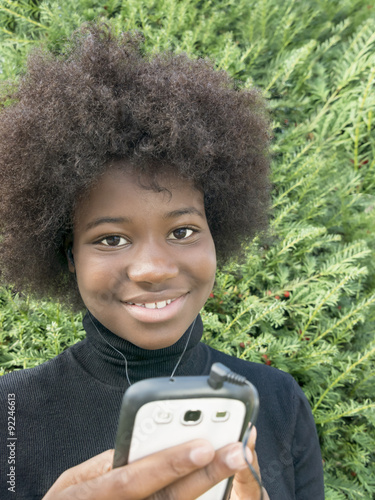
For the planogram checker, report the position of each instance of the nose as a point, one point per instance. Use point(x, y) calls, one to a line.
point(152, 264)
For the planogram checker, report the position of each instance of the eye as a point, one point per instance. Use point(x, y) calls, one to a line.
point(181, 233)
point(113, 241)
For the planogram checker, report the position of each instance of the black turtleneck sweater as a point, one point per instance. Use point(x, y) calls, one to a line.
point(66, 412)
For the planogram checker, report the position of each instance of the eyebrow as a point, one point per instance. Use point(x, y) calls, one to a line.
point(183, 211)
point(118, 220)
point(106, 220)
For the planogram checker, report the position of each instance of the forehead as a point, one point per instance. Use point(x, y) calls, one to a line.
point(122, 189)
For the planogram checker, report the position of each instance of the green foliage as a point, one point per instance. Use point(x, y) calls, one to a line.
point(32, 332)
point(303, 298)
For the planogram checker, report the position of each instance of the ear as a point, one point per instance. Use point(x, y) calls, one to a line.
point(68, 246)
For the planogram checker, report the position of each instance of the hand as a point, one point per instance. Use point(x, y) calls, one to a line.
point(244, 485)
point(183, 472)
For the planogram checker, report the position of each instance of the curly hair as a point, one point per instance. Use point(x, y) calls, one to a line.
point(104, 99)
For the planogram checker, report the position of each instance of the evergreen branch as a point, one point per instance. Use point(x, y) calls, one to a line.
point(343, 257)
point(284, 213)
point(364, 304)
point(361, 35)
point(349, 489)
point(325, 298)
point(363, 381)
point(272, 308)
point(16, 14)
point(356, 137)
point(301, 236)
point(286, 69)
point(342, 375)
point(307, 184)
point(285, 193)
point(319, 356)
point(285, 22)
point(12, 41)
point(254, 50)
point(6, 31)
point(351, 74)
point(348, 413)
point(296, 158)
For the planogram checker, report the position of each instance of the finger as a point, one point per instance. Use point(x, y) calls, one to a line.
point(245, 485)
point(227, 462)
point(90, 469)
point(142, 478)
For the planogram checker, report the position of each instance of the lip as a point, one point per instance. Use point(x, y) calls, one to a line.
point(145, 315)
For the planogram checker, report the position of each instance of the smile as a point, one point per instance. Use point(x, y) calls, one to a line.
point(153, 305)
point(155, 312)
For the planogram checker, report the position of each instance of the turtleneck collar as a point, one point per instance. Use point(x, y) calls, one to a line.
point(102, 354)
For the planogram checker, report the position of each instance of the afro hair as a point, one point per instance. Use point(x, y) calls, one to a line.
point(103, 99)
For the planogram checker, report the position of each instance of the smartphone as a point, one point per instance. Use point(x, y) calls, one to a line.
point(162, 412)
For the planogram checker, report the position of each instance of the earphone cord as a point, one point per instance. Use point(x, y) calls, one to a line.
point(110, 345)
point(183, 352)
point(126, 361)
point(244, 446)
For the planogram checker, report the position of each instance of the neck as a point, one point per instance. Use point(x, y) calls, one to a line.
point(120, 361)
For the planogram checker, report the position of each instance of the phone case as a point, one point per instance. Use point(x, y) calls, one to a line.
point(162, 412)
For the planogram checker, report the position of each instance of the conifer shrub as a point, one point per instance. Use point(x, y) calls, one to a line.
point(303, 298)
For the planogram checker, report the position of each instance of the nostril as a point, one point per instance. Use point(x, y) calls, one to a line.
point(152, 272)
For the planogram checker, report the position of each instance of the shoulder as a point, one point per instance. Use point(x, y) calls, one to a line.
point(34, 382)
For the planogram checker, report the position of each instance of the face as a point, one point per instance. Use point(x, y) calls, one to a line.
point(145, 261)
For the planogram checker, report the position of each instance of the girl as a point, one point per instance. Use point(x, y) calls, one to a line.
point(124, 178)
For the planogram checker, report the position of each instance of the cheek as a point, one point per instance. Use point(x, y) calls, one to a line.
point(96, 283)
point(206, 266)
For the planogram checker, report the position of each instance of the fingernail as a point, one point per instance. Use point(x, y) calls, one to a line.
point(202, 455)
point(235, 460)
point(253, 436)
point(249, 455)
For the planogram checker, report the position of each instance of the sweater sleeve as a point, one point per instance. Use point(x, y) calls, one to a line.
point(307, 460)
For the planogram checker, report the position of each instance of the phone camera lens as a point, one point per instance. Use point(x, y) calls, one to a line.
point(192, 417)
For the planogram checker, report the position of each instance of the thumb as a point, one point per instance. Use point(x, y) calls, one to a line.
point(245, 485)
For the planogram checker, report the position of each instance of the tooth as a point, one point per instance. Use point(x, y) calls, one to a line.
point(155, 305)
point(150, 306)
